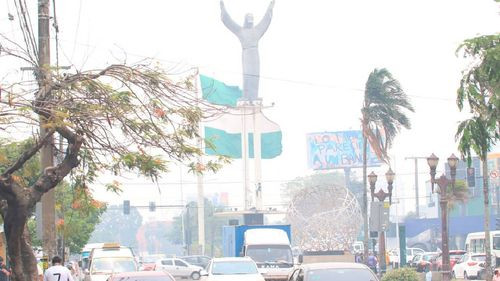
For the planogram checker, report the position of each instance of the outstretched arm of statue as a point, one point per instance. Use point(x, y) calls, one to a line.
point(227, 20)
point(266, 20)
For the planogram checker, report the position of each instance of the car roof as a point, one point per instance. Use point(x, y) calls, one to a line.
point(141, 274)
point(231, 259)
point(326, 265)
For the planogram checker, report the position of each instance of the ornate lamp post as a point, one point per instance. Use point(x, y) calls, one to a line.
point(442, 189)
point(381, 195)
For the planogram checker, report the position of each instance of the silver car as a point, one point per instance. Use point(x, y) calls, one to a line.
point(178, 268)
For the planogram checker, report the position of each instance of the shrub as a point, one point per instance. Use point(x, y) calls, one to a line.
point(402, 274)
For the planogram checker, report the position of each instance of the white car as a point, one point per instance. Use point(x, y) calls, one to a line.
point(179, 268)
point(228, 269)
point(469, 266)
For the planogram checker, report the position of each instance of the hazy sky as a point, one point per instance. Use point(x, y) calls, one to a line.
point(315, 59)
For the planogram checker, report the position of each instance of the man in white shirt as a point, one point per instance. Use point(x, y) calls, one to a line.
point(57, 272)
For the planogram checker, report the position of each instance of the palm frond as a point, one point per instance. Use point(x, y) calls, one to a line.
point(383, 110)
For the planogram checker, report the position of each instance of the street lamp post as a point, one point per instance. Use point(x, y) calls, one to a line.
point(381, 195)
point(442, 183)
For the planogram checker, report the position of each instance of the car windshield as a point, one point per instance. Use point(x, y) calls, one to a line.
point(112, 265)
point(479, 258)
point(270, 254)
point(340, 274)
point(234, 267)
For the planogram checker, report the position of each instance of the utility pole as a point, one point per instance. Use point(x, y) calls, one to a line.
point(201, 191)
point(417, 201)
point(47, 151)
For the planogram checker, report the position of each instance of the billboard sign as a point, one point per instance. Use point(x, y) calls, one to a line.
point(336, 150)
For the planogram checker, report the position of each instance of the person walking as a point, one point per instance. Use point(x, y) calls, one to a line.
point(428, 274)
point(372, 262)
point(57, 272)
point(4, 271)
point(496, 275)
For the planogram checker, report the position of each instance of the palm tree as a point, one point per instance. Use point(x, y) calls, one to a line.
point(383, 115)
point(479, 88)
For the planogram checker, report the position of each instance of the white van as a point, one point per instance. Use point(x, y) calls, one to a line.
point(474, 243)
point(270, 249)
point(110, 258)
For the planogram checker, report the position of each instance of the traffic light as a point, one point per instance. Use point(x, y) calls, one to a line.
point(126, 207)
point(471, 177)
point(152, 206)
point(497, 223)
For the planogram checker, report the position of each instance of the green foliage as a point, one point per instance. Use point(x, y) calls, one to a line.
point(9, 153)
point(75, 206)
point(213, 228)
point(35, 240)
point(78, 215)
point(118, 227)
point(479, 88)
point(401, 274)
point(383, 112)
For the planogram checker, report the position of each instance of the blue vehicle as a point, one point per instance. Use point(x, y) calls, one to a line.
point(268, 245)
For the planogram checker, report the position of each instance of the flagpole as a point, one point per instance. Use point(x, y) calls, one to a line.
point(257, 108)
point(244, 151)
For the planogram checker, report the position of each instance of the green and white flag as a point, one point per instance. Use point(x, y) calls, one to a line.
point(224, 131)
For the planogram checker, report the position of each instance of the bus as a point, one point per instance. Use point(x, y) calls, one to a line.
point(474, 243)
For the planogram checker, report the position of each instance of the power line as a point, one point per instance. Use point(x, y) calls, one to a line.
point(278, 79)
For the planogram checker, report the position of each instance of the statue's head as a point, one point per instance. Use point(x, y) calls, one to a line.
point(248, 20)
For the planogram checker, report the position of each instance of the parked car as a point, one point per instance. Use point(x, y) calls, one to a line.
point(469, 266)
point(179, 268)
point(201, 261)
point(426, 261)
point(416, 260)
point(455, 255)
point(333, 271)
point(238, 268)
point(410, 254)
point(142, 276)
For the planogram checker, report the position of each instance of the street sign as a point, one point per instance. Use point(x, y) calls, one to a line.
point(379, 216)
point(494, 174)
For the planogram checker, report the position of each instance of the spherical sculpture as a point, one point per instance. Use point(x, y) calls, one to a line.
point(324, 218)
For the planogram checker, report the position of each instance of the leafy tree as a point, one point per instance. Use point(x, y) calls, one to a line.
point(120, 118)
point(479, 88)
point(78, 215)
point(118, 227)
point(72, 201)
point(213, 228)
point(383, 114)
